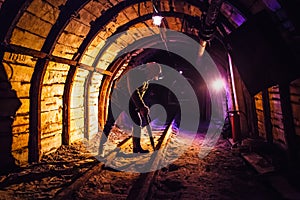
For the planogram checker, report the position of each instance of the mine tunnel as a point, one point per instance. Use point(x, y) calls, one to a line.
point(221, 120)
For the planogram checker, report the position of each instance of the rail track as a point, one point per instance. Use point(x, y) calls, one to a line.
point(139, 185)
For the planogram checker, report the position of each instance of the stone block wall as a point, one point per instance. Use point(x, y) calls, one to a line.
point(77, 106)
point(93, 125)
point(19, 69)
point(78, 28)
point(35, 24)
point(52, 106)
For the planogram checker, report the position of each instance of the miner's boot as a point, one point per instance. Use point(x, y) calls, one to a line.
point(137, 146)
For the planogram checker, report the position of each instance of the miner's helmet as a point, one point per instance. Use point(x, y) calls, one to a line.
point(153, 71)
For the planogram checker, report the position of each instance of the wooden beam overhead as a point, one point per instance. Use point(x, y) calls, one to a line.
point(41, 55)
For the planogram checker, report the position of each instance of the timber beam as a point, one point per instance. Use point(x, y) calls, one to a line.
point(38, 54)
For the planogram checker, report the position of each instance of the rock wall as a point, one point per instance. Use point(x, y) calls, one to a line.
point(19, 69)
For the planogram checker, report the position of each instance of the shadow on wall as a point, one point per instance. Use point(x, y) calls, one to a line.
point(9, 104)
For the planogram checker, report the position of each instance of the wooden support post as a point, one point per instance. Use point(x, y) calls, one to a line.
point(86, 104)
point(66, 105)
point(288, 123)
point(254, 120)
point(34, 146)
point(267, 115)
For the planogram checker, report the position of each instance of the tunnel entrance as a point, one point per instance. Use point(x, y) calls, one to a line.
point(160, 95)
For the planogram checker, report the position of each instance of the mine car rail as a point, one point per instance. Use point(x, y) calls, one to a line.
point(141, 186)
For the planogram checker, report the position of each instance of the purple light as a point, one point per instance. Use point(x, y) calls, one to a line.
point(232, 13)
point(273, 5)
point(237, 18)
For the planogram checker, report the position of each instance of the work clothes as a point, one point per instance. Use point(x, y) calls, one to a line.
point(127, 96)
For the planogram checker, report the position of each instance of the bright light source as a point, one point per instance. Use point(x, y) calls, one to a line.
point(218, 84)
point(180, 72)
point(157, 19)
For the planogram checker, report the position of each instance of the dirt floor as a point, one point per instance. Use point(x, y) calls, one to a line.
point(43, 180)
point(222, 174)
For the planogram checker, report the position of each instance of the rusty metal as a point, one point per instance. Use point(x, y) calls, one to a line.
point(234, 117)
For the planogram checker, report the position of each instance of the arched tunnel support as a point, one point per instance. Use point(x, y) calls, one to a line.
point(68, 11)
point(66, 47)
point(45, 53)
